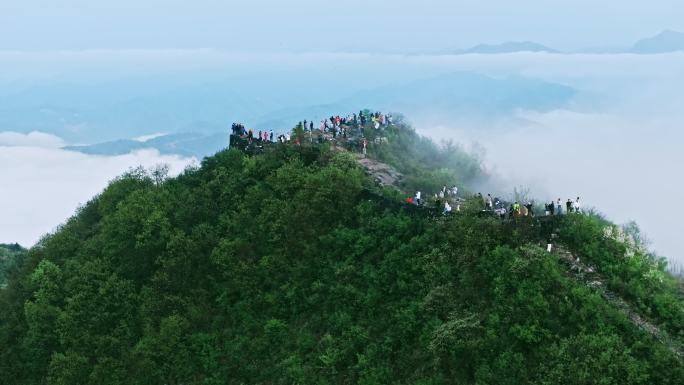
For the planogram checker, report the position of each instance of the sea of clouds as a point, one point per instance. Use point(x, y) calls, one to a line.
point(42, 185)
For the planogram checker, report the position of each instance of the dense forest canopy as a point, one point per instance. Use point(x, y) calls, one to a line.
point(10, 256)
point(293, 267)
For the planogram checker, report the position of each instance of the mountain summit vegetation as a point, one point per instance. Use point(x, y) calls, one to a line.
point(292, 267)
point(10, 257)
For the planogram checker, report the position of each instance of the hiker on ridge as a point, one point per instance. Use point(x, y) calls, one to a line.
point(528, 206)
point(502, 213)
point(577, 206)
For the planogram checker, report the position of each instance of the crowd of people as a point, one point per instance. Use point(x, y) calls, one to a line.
point(516, 209)
point(341, 125)
point(556, 208)
point(446, 200)
point(329, 128)
point(375, 119)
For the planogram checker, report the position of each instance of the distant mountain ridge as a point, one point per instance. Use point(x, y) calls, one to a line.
point(465, 95)
point(183, 144)
point(664, 42)
point(507, 47)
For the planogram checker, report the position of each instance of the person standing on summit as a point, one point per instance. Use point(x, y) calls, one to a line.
point(516, 207)
point(489, 202)
point(578, 206)
point(447, 208)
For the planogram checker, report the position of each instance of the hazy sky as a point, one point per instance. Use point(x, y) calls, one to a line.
point(314, 25)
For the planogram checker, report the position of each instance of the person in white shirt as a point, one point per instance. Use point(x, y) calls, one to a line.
point(418, 197)
point(577, 206)
point(447, 208)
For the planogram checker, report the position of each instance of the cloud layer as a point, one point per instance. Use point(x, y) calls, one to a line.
point(624, 167)
point(32, 139)
point(43, 186)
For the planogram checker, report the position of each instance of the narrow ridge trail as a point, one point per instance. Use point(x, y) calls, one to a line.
point(589, 276)
point(385, 175)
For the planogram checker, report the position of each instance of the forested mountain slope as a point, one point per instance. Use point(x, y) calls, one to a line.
point(292, 267)
point(10, 256)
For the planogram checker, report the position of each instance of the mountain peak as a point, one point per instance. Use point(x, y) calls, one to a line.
point(668, 31)
point(666, 41)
